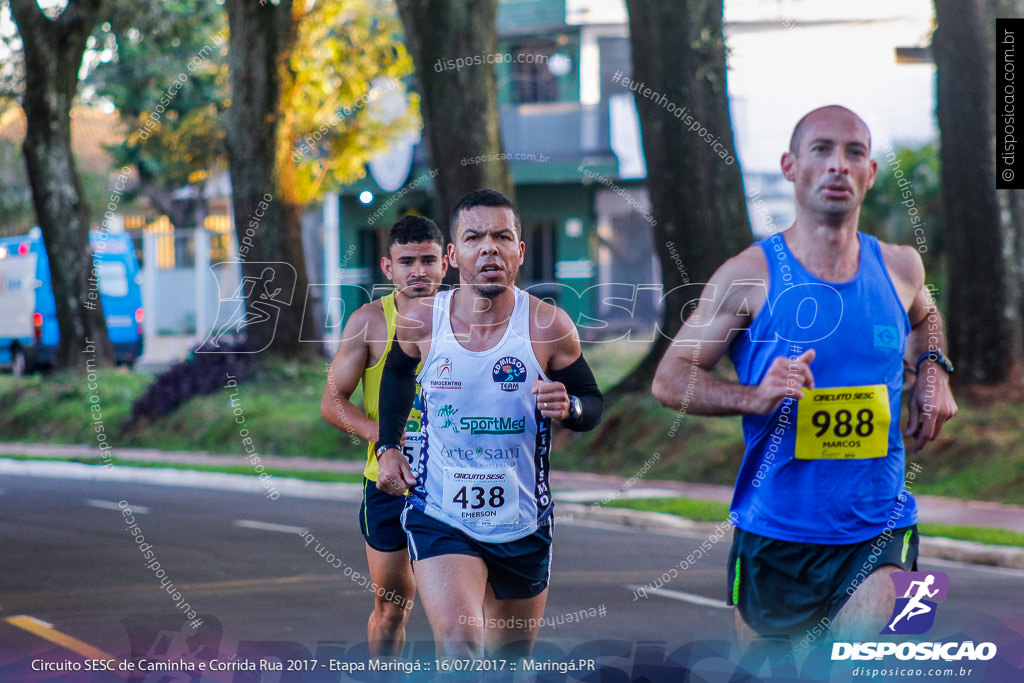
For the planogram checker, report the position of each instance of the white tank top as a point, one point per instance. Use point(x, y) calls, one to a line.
point(483, 467)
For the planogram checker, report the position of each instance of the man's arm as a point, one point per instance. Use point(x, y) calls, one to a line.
point(931, 400)
point(344, 376)
point(557, 347)
point(685, 378)
point(398, 391)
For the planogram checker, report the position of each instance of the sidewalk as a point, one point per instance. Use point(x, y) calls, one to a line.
point(576, 488)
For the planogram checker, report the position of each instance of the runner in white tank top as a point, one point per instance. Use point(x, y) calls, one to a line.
point(484, 465)
point(498, 366)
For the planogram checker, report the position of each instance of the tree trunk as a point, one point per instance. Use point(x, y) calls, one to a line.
point(982, 325)
point(53, 52)
point(267, 222)
point(696, 195)
point(459, 107)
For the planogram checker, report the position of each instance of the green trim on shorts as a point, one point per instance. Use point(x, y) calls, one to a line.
point(366, 511)
point(736, 584)
point(906, 545)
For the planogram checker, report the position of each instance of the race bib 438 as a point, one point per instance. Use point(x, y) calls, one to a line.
point(481, 497)
point(843, 423)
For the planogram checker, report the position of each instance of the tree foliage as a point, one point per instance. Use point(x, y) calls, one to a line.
point(348, 66)
point(164, 66)
point(905, 205)
point(290, 62)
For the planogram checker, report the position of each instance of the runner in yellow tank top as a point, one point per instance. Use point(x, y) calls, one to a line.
point(371, 391)
point(414, 261)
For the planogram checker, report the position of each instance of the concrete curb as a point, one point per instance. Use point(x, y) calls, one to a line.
point(245, 483)
point(570, 503)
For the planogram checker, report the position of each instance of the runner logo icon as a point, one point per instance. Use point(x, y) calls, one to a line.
point(914, 612)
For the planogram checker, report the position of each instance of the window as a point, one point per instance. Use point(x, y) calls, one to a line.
point(113, 278)
point(539, 263)
point(533, 81)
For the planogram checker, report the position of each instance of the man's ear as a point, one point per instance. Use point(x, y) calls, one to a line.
point(788, 162)
point(385, 266)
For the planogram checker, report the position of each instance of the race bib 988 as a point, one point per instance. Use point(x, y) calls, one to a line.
point(843, 423)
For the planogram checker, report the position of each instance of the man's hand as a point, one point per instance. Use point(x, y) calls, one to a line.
point(394, 475)
point(552, 399)
point(931, 404)
point(785, 378)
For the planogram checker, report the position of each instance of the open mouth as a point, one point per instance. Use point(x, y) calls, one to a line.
point(491, 268)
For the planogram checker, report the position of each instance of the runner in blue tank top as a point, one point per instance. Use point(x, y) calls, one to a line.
point(498, 366)
point(820, 322)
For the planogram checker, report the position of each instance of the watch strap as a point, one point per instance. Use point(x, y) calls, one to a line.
point(939, 357)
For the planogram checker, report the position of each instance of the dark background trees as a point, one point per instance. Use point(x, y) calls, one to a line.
point(697, 197)
point(984, 324)
point(53, 48)
point(459, 106)
point(168, 81)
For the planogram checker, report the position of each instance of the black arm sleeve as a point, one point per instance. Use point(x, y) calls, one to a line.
point(579, 381)
point(397, 392)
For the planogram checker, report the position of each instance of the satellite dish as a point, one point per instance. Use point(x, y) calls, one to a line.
point(391, 168)
point(559, 64)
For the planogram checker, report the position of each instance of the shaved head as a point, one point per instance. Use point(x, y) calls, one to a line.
point(831, 110)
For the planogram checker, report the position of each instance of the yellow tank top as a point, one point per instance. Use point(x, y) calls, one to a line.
point(371, 387)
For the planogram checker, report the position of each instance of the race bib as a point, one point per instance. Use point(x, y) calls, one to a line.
point(413, 446)
point(487, 497)
point(843, 423)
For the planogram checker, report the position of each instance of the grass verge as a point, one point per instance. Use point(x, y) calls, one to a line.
point(712, 511)
point(979, 454)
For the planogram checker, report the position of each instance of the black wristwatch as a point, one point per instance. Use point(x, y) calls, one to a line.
point(386, 447)
point(939, 357)
point(575, 407)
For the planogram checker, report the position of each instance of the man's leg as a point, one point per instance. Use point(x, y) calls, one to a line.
point(452, 590)
point(391, 573)
point(513, 621)
point(867, 611)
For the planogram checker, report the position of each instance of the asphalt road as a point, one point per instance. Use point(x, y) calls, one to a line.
point(72, 577)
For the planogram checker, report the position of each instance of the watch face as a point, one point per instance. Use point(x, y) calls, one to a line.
point(577, 407)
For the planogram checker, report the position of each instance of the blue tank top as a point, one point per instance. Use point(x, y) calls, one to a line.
point(827, 476)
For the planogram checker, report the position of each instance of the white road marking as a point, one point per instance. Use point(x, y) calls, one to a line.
point(684, 597)
point(108, 505)
point(267, 526)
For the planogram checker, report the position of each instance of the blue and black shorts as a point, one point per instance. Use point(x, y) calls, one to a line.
point(380, 519)
point(783, 588)
point(516, 570)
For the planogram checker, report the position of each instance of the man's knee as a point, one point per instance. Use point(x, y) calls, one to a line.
point(460, 645)
point(391, 615)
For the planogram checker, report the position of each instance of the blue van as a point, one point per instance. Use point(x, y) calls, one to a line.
point(28, 320)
